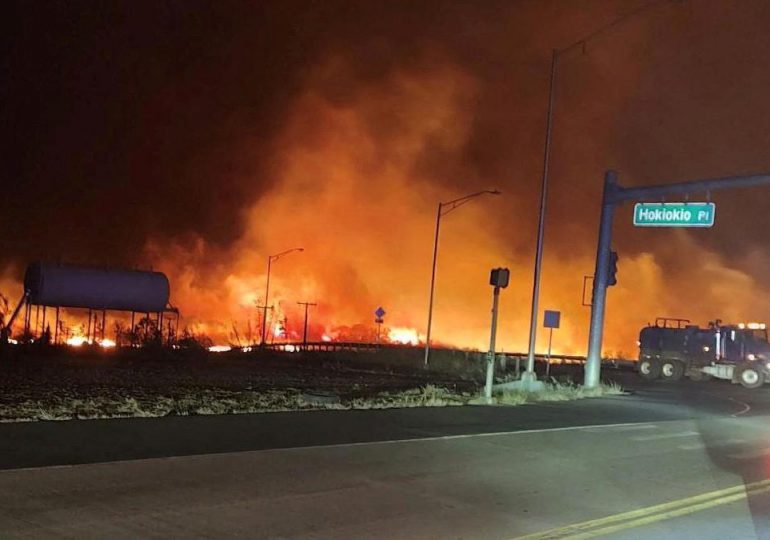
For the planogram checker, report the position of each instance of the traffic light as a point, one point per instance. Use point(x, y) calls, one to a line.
point(613, 269)
point(499, 277)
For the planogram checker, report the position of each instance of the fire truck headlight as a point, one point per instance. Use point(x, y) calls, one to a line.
point(751, 357)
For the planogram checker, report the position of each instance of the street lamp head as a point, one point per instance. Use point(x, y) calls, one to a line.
point(281, 254)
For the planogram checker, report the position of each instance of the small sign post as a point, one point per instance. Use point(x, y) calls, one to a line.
point(498, 278)
point(551, 320)
point(379, 314)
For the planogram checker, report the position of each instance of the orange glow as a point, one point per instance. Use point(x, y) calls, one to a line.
point(77, 341)
point(355, 179)
point(404, 336)
point(356, 197)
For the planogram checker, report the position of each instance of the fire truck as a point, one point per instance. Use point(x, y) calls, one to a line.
point(673, 348)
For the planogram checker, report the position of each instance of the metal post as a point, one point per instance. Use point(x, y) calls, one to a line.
point(264, 310)
point(56, 328)
point(530, 373)
point(42, 326)
point(432, 285)
point(548, 358)
point(88, 331)
point(27, 318)
point(601, 273)
point(491, 353)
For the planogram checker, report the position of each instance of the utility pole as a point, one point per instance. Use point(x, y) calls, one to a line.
point(263, 326)
point(613, 196)
point(304, 333)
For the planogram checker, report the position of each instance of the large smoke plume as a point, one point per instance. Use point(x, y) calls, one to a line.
point(198, 138)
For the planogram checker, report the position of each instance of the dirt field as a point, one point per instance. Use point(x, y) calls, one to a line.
point(83, 383)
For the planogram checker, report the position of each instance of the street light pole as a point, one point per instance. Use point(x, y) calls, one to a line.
point(529, 375)
point(443, 209)
point(270, 260)
point(432, 285)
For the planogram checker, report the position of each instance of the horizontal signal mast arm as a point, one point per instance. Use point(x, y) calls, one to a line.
point(620, 194)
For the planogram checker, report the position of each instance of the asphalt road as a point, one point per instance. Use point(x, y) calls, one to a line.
point(664, 462)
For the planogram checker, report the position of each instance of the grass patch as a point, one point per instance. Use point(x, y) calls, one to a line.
point(427, 396)
point(556, 392)
point(69, 406)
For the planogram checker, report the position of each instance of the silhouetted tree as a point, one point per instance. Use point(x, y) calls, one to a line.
point(192, 340)
point(147, 332)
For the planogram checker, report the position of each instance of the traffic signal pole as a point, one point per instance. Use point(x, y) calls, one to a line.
point(612, 196)
point(601, 274)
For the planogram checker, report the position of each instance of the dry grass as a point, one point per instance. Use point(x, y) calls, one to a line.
point(212, 402)
point(557, 392)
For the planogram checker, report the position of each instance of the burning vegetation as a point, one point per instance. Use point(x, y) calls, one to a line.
point(342, 133)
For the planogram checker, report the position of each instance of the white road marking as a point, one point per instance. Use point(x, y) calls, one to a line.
point(746, 407)
point(693, 446)
point(661, 436)
point(635, 427)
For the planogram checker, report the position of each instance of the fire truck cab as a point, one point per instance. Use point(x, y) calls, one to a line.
point(673, 348)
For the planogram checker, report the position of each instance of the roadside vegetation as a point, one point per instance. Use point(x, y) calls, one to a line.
point(557, 391)
point(217, 401)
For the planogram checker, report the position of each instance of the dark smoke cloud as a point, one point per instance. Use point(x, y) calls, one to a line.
point(123, 121)
point(126, 120)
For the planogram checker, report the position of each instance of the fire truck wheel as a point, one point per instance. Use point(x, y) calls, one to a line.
point(649, 369)
point(750, 377)
point(671, 370)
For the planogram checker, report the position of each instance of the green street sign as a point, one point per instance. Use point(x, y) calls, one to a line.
point(688, 214)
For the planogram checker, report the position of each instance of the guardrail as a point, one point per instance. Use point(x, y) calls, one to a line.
point(335, 346)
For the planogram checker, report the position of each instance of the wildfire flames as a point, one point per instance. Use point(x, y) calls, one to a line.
point(79, 341)
point(361, 153)
point(404, 336)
